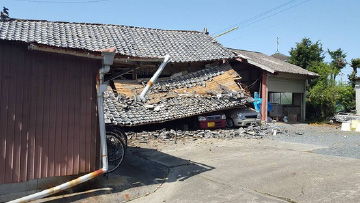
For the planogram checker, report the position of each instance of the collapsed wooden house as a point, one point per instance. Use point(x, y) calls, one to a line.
point(208, 90)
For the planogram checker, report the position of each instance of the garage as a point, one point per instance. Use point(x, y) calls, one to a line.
point(278, 82)
point(287, 98)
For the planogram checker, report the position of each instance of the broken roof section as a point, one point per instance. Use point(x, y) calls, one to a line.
point(200, 92)
point(183, 46)
point(271, 64)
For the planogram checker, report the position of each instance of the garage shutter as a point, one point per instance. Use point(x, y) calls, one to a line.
point(279, 84)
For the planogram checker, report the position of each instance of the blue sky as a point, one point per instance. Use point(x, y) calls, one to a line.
point(336, 23)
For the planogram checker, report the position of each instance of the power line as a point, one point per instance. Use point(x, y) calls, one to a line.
point(257, 16)
point(267, 28)
point(270, 16)
point(63, 2)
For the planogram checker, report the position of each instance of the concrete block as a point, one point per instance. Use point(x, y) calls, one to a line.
point(16, 190)
point(18, 187)
point(13, 196)
point(345, 127)
point(354, 124)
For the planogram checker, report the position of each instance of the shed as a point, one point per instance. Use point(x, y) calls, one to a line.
point(281, 83)
point(48, 117)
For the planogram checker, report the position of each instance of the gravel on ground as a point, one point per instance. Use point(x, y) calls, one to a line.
point(334, 141)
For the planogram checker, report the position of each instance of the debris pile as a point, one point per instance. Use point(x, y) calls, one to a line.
point(251, 132)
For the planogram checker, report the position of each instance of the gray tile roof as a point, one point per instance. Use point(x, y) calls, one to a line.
point(128, 112)
point(280, 56)
point(183, 46)
point(271, 64)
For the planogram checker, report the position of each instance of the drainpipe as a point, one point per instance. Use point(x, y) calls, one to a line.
point(154, 77)
point(100, 87)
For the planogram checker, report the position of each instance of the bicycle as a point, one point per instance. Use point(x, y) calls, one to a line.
point(116, 141)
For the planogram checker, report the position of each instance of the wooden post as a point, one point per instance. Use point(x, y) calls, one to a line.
point(134, 74)
point(264, 97)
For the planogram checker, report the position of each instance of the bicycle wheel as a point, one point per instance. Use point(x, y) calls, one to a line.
point(115, 149)
point(122, 135)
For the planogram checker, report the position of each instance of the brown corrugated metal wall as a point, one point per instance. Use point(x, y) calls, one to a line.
point(48, 118)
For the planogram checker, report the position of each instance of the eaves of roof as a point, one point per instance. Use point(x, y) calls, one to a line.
point(272, 65)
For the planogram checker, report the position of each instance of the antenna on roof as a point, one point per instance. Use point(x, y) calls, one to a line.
point(4, 14)
point(205, 31)
point(277, 45)
point(235, 28)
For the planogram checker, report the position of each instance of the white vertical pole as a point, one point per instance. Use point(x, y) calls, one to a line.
point(154, 77)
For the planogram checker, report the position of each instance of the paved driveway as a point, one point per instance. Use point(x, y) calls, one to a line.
point(236, 170)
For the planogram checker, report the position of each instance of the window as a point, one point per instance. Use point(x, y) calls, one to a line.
point(284, 98)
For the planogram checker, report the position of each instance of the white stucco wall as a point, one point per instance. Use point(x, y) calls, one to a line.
point(357, 93)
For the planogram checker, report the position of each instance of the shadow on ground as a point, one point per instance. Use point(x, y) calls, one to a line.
point(141, 173)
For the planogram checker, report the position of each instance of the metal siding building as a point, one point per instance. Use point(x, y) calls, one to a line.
point(280, 84)
point(48, 115)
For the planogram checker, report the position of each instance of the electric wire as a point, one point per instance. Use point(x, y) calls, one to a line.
point(257, 16)
point(250, 86)
point(269, 17)
point(62, 2)
point(267, 28)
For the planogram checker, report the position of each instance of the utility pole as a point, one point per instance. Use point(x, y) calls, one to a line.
point(235, 28)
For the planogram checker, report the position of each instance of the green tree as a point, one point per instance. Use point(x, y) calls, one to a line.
point(322, 94)
point(306, 53)
point(325, 96)
point(338, 61)
point(346, 97)
point(355, 64)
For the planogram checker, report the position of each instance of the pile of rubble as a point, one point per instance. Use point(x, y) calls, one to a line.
point(251, 132)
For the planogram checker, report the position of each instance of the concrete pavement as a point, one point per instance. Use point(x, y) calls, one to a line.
point(216, 170)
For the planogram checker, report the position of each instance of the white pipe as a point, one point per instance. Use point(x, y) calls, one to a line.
point(154, 77)
point(100, 90)
point(100, 100)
